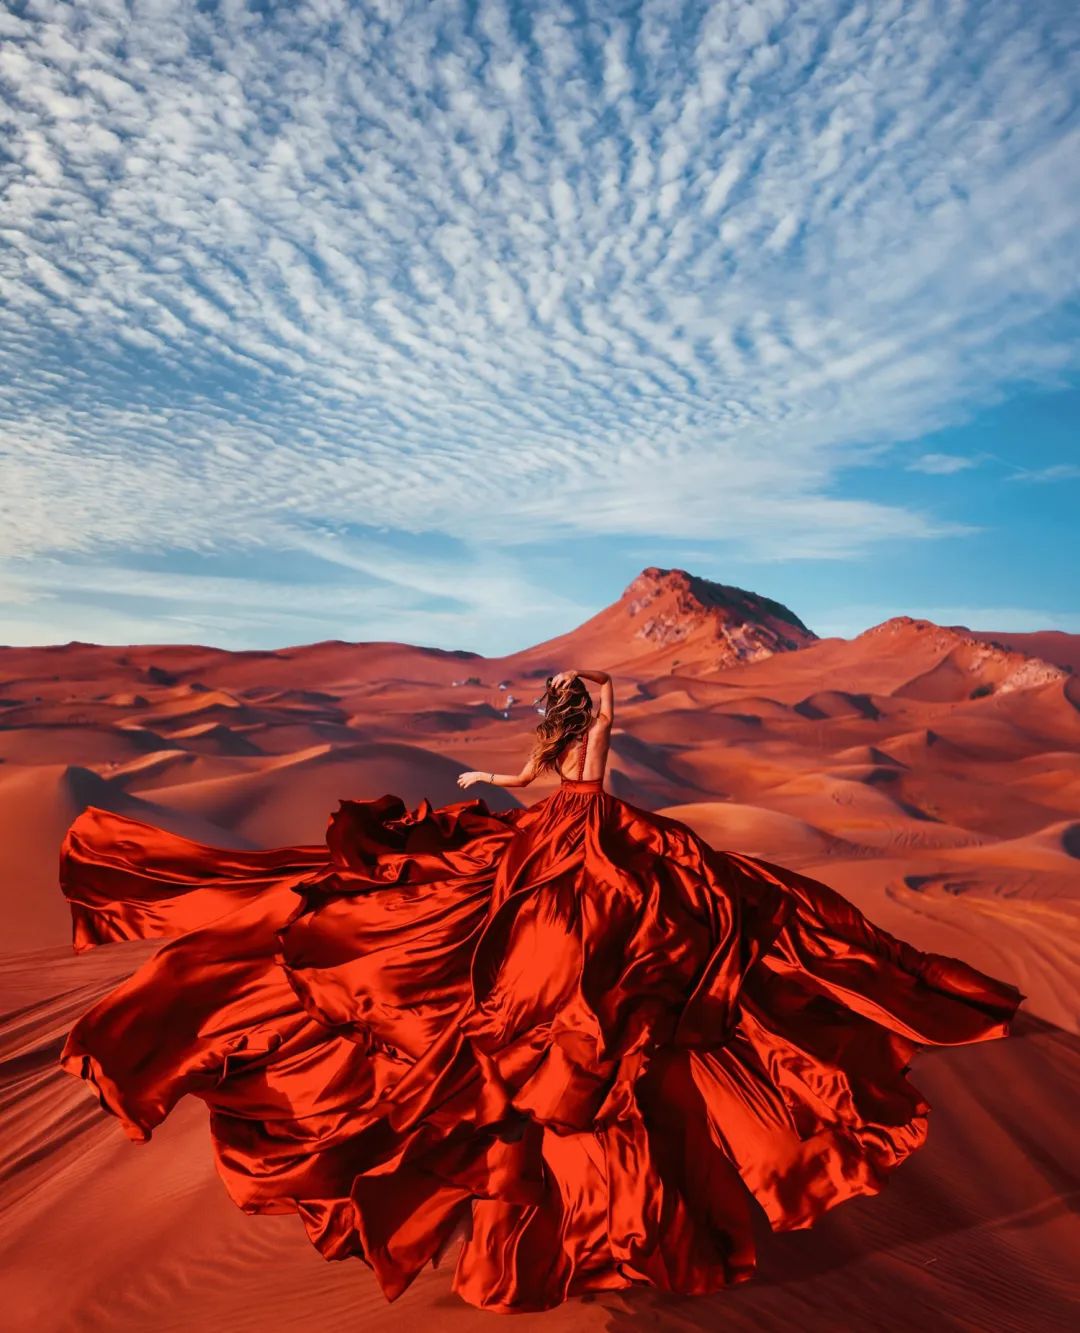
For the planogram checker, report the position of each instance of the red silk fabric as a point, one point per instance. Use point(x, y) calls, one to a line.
point(577, 1028)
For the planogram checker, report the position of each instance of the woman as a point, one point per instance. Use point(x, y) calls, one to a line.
point(573, 1036)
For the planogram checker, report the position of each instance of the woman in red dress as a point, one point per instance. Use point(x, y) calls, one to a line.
point(573, 1035)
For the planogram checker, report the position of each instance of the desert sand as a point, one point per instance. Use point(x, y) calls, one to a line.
point(930, 774)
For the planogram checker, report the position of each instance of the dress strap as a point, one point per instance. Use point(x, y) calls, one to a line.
point(581, 760)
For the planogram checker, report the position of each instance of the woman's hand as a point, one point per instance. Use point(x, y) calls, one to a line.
point(467, 779)
point(563, 679)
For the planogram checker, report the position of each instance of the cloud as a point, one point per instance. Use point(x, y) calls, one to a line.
point(513, 277)
point(1053, 472)
point(940, 465)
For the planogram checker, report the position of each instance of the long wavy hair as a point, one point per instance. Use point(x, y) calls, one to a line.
point(568, 715)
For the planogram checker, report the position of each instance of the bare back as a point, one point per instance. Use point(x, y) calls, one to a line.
point(593, 748)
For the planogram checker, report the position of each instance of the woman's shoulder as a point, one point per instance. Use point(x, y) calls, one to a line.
point(600, 724)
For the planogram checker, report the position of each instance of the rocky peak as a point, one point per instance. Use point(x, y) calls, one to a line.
point(671, 607)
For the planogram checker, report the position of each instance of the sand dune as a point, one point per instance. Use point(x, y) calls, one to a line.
point(36, 806)
point(1047, 713)
point(290, 801)
point(759, 832)
point(75, 744)
point(697, 726)
point(931, 774)
point(752, 706)
point(837, 703)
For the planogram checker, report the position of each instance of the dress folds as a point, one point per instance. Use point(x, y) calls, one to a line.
point(574, 1031)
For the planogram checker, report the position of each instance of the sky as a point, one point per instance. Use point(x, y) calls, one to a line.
point(437, 322)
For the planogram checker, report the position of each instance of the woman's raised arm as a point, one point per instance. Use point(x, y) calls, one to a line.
point(607, 692)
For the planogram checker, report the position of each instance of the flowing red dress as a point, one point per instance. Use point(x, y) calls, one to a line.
point(575, 1026)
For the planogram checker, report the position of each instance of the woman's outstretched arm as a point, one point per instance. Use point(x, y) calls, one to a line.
point(521, 779)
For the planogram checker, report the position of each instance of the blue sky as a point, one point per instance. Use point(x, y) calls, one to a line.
point(438, 321)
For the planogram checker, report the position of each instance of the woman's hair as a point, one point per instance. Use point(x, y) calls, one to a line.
point(567, 717)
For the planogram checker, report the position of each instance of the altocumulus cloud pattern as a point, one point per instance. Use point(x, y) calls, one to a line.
point(500, 271)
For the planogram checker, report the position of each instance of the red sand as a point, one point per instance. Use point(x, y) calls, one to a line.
point(928, 773)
